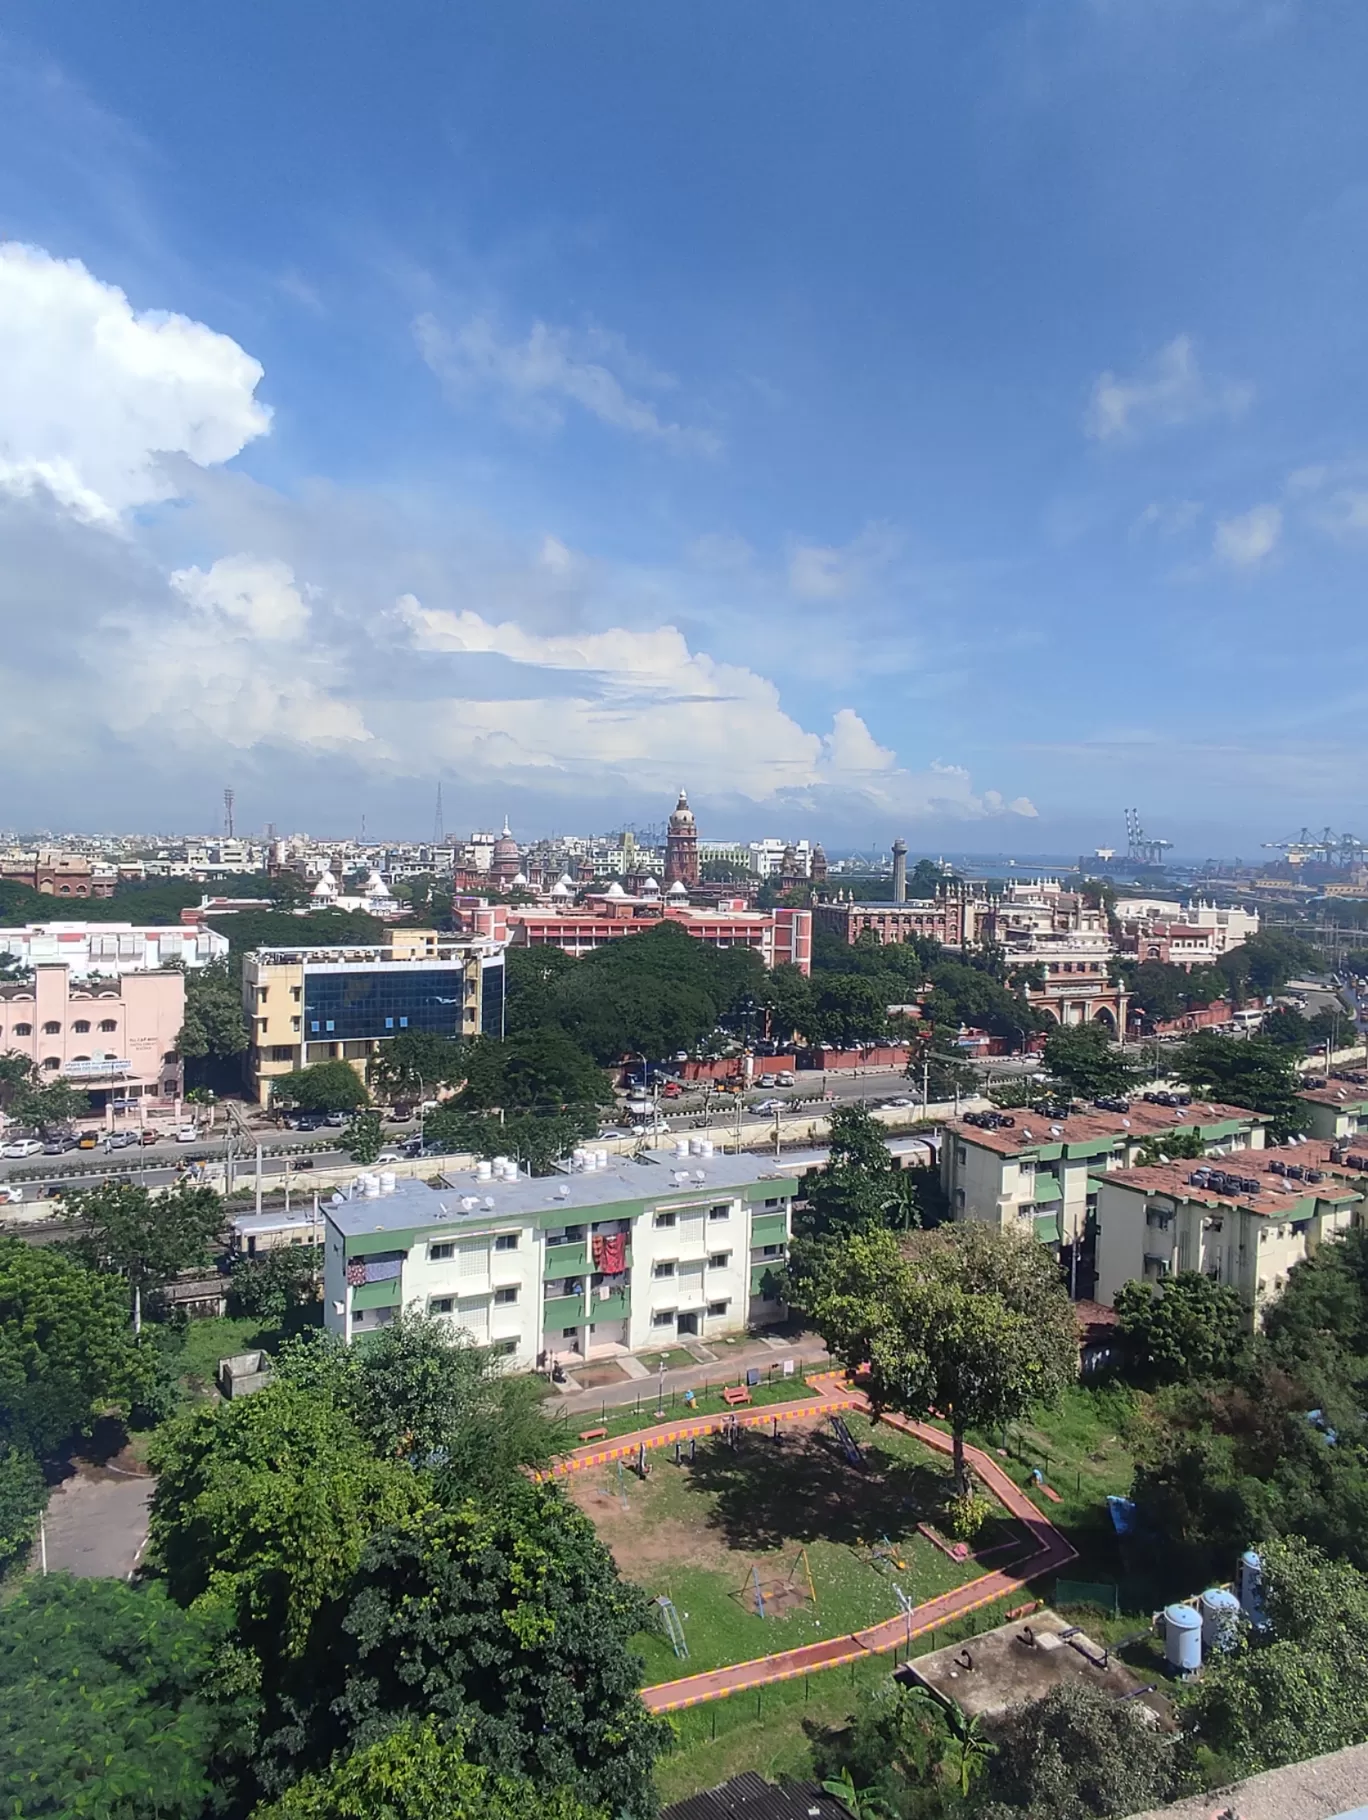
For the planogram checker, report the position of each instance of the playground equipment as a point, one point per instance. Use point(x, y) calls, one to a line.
point(674, 1629)
point(773, 1598)
point(846, 1441)
point(886, 1555)
point(693, 1451)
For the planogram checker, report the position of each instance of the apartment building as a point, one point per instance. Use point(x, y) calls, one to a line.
point(1246, 1227)
point(1223, 926)
point(617, 1256)
point(307, 1005)
point(947, 918)
point(1339, 1109)
point(111, 948)
point(1024, 1173)
point(780, 937)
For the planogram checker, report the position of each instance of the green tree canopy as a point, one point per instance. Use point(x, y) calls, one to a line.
point(147, 1236)
point(325, 1087)
point(1183, 1330)
point(66, 1352)
point(1237, 1071)
point(538, 1141)
point(23, 1493)
point(214, 1026)
point(364, 1137)
point(275, 1283)
point(1265, 962)
point(413, 1773)
point(108, 1709)
point(541, 1073)
point(507, 1618)
point(414, 1064)
point(859, 1188)
point(1085, 1060)
point(268, 1501)
point(47, 1105)
point(1077, 1754)
point(964, 1320)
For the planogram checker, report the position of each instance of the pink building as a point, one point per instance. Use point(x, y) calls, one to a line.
point(111, 1036)
point(779, 937)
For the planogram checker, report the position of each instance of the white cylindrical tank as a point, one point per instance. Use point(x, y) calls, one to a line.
point(1220, 1612)
point(600, 1159)
point(695, 1146)
point(370, 1186)
point(708, 1147)
point(681, 1147)
point(388, 1181)
point(1182, 1639)
point(483, 1171)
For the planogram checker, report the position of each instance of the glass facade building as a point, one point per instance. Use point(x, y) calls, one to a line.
point(365, 1003)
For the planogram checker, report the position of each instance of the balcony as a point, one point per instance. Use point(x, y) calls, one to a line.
point(614, 1307)
point(566, 1260)
point(562, 1311)
point(769, 1228)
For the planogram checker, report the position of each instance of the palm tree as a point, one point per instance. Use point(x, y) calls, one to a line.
point(969, 1750)
point(860, 1804)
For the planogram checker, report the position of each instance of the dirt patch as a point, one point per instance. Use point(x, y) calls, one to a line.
point(594, 1377)
point(643, 1540)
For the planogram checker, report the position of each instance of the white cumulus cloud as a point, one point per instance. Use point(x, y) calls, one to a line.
point(1170, 390)
point(93, 392)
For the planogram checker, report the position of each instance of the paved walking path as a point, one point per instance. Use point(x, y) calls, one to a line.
point(1050, 1552)
point(728, 1361)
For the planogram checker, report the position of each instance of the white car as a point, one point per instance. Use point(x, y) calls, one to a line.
point(611, 1131)
point(186, 1134)
point(10, 1196)
point(389, 1156)
point(23, 1147)
point(900, 1103)
point(769, 1105)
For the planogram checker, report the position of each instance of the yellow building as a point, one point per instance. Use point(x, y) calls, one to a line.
point(341, 1003)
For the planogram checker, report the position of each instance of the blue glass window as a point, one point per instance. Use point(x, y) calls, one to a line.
point(372, 1001)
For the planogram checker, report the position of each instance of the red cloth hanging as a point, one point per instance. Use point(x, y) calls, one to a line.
point(610, 1253)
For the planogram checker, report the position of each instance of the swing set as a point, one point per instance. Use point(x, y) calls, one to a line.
point(777, 1597)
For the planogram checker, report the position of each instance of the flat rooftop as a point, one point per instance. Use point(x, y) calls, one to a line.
point(1279, 1197)
point(1024, 1661)
point(592, 1193)
point(1343, 1095)
point(1032, 1131)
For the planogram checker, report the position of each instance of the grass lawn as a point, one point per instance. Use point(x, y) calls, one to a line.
point(702, 1533)
point(208, 1341)
point(627, 1418)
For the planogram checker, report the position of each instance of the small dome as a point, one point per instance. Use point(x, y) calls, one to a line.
point(563, 889)
point(376, 886)
point(519, 878)
point(615, 890)
point(678, 889)
point(567, 881)
point(651, 888)
point(683, 816)
point(326, 886)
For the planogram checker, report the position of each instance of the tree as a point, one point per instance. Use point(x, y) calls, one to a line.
point(967, 1321)
point(415, 1063)
point(542, 1073)
point(276, 1283)
point(846, 1010)
point(1086, 1061)
point(538, 1141)
point(1286, 1027)
point(23, 1493)
point(414, 1773)
point(268, 1502)
point(1183, 1330)
point(47, 1105)
point(508, 1618)
point(1305, 1677)
point(325, 1087)
point(725, 872)
point(1172, 1146)
point(66, 1354)
point(859, 1188)
point(1238, 1071)
point(890, 1751)
point(970, 1749)
point(785, 995)
point(108, 1707)
point(1076, 1754)
point(419, 1390)
point(364, 1138)
point(1264, 963)
point(926, 878)
point(147, 1237)
point(214, 1027)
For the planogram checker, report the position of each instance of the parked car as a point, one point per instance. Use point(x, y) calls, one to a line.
point(60, 1144)
point(785, 1077)
point(23, 1147)
point(338, 1118)
point(149, 1136)
point(611, 1131)
point(186, 1134)
point(900, 1103)
point(389, 1156)
point(88, 1140)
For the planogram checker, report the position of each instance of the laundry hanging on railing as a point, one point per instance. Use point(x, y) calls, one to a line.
point(610, 1253)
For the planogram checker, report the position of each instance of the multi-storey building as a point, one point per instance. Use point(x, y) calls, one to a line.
point(1245, 1227)
point(1225, 926)
point(1339, 1109)
point(779, 937)
point(111, 949)
point(1027, 1173)
point(307, 1005)
point(613, 1258)
point(681, 845)
point(114, 1037)
point(945, 918)
point(59, 874)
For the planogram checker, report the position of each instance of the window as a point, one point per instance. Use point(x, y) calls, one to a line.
point(663, 1270)
point(961, 1155)
point(506, 1241)
point(959, 1197)
point(294, 994)
point(719, 1260)
point(107, 1024)
point(772, 1251)
point(774, 1201)
point(261, 995)
point(569, 1333)
point(294, 1023)
point(716, 1308)
point(504, 1298)
point(504, 1349)
point(82, 1026)
point(664, 1219)
point(52, 1063)
point(663, 1317)
point(23, 1029)
point(719, 1213)
point(441, 1304)
point(54, 1029)
point(436, 1253)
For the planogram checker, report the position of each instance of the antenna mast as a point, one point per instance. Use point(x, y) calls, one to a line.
point(228, 799)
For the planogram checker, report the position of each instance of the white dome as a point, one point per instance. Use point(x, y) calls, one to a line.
point(651, 888)
point(562, 890)
point(615, 890)
point(326, 886)
point(376, 886)
point(678, 889)
point(567, 881)
point(519, 878)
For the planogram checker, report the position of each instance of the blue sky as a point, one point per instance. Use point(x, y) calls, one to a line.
point(946, 421)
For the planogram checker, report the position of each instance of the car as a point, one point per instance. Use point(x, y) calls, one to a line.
point(11, 1196)
point(186, 1134)
point(611, 1131)
point(58, 1146)
point(768, 1080)
point(149, 1136)
point(120, 1140)
point(338, 1118)
point(23, 1147)
point(768, 1105)
point(785, 1077)
point(900, 1103)
point(389, 1156)
point(88, 1140)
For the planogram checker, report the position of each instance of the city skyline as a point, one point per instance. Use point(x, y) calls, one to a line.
point(933, 430)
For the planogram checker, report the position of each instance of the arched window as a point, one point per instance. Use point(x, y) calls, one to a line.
point(52, 1063)
point(82, 1026)
point(52, 1028)
point(23, 1029)
point(80, 1058)
point(107, 1023)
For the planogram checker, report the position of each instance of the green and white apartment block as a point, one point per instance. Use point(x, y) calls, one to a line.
point(1039, 1176)
point(618, 1255)
point(1336, 1112)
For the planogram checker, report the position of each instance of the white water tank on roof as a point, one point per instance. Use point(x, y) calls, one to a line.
point(388, 1181)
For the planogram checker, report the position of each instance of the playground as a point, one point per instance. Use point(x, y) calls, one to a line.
point(770, 1537)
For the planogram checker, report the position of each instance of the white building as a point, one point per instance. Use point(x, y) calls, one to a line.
point(111, 948)
point(766, 857)
point(1229, 926)
point(608, 1259)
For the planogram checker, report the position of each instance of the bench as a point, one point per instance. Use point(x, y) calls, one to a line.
point(735, 1394)
point(593, 1434)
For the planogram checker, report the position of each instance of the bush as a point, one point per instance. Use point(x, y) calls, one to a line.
point(966, 1513)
